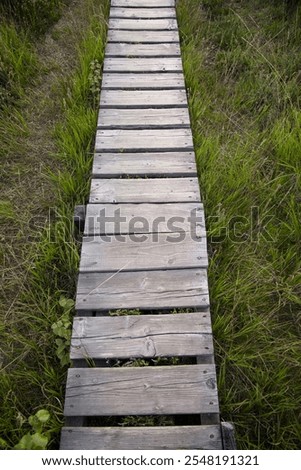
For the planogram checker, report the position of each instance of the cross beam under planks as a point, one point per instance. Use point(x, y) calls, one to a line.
point(144, 252)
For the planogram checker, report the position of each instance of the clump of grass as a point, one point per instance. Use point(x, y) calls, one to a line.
point(240, 63)
point(18, 63)
point(6, 211)
point(129, 421)
point(124, 312)
point(34, 15)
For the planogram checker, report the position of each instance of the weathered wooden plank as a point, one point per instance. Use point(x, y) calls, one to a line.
point(112, 165)
point(148, 37)
point(140, 81)
point(142, 118)
point(141, 391)
point(147, 290)
point(121, 140)
point(175, 218)
point(141, 336)
point(143, 3)
point(109, 255)
point(142, 438)
point(148, 190)
point(143, 98)
point(143, 25)
point(145, 64)
point(148, 13)
point(142, 50)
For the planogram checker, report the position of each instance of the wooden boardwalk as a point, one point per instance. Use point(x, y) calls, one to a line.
point(144, 247)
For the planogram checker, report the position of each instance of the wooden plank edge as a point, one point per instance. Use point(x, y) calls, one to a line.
point(228, 436)
point(127, 438)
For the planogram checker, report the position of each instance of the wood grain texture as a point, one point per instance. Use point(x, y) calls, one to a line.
point(142, 81)
point(148, 13)
point(142, 64)
point(129, 140)
point(142, 438)
point(143, 3)
point(147, 290)
point(107, 219)
point(141, 336)
point(143, 99)
point(143, 25)
point(139, 190)
point(149, 37)
point(142, 50)
point(141, 391)
point(106, 255)
point(171, 164)
point(139, 118)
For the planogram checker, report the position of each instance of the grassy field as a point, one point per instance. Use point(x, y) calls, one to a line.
point(242, 68)
point(51, 55)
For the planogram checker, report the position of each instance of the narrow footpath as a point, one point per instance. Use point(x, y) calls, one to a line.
point(144, 251)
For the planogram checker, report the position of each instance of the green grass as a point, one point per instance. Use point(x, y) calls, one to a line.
point(32, 333)
point(33, 15)
point(242, 74)
point(241, 63)
point(18, 64)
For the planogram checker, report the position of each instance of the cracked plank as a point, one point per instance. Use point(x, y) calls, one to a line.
point(189, 389)
point(142, 336)
point(147, 290)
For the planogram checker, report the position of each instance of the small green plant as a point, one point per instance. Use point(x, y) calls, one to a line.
point(62, 330)
point(95, 79)
point(123, 312)
point(37, 439)
point(129, 421)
